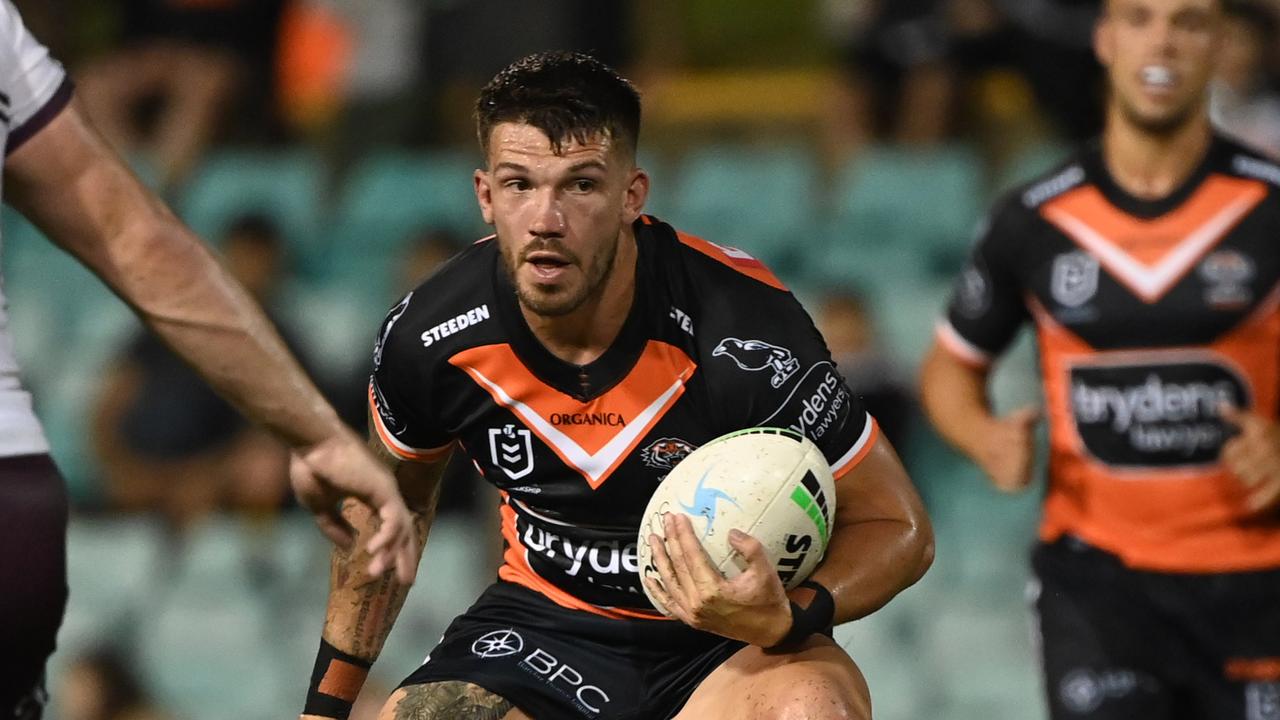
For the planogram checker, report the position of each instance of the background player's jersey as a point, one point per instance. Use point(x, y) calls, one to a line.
point(1150, 315)
point(33, 89)
point(713, 343)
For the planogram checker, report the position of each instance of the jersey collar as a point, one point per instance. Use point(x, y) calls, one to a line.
point(584, 382)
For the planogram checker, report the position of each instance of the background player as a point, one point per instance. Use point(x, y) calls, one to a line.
point(58, 173)
point(556, 354)
point(1149, 268)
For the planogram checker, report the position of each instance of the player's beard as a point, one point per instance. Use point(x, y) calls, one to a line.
point(1163, 125)
point(563, 300)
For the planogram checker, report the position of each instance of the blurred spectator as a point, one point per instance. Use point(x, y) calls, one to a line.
point(845, 323)
point(99, 685)
point(1050, 43)
point(1243, 102)
point(182, 68)
point(166, 441)
point(899, 84)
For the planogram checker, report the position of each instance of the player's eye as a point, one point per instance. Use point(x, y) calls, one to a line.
point(1191, 21)
point(518, 184)
point(583, 185)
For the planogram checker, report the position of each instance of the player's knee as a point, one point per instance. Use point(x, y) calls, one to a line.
point(810, 695)
point(449, 700)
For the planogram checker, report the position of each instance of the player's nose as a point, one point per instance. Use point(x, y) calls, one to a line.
point(548, 216)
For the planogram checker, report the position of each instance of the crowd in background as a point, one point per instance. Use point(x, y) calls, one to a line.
point(173, 83)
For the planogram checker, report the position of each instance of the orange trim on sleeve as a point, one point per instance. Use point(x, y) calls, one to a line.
point(397, 448)
point(870, 435)
point(950, 340)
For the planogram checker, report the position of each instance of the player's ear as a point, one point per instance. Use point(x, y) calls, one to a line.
point(484, 195)
point(637, 194)
point(1104, 37)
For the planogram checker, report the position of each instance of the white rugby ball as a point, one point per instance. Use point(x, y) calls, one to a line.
point(772, 484)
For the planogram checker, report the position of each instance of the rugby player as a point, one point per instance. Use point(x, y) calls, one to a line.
point(1149, 269)
point(60, 174)
point(575, 357)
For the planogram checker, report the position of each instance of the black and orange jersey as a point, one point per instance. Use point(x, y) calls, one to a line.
point(1150, 315)
point(713, 343)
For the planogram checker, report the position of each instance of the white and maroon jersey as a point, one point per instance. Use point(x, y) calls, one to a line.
point(33, 89)
point(1150, 315)
point(713, 343)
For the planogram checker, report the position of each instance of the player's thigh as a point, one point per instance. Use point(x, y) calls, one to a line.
point(1107, 654)
point(818, 681)
point(448, 700)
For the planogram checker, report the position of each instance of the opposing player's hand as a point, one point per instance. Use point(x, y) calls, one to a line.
point(1008, 452)
point(1253, 456)
point(341, 467)
point(752, 607)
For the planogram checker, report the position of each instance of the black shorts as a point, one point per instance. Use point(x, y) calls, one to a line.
point(1121, 643)
point(554, 663)
point(33, 577)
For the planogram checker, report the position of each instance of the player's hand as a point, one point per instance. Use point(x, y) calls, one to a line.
point(1253, 456)
point(752, 607)
point(341, 467)
point(1008, 451)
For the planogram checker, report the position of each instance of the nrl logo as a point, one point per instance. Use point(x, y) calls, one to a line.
point(511, 451)
point(665, 453)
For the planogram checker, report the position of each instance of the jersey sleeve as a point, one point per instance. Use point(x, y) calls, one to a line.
point(780, 374)
point(986, 307)
point(400, 392)
point(33, 86)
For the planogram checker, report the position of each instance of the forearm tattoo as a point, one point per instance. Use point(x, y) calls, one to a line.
point(452, 700)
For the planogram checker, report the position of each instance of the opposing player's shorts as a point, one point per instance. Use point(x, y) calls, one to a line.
point(1123, 644)
point(556, 664)
point(33, 577)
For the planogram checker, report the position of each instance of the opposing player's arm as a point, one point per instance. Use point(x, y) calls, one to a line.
point(362, 607)
point(72, 186)
point(881, 542)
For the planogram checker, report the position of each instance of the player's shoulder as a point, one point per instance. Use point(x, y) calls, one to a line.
point(452, 309)
point(1235, 159)
point(1026, 199)
point(710, 265)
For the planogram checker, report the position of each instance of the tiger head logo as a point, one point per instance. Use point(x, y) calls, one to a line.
point(665, 453)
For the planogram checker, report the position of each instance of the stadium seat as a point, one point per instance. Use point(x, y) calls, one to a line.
point(287, 186)
point(902, 213)
point(759, 199)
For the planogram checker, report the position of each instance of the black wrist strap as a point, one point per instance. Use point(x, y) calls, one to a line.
point(336, 680)
point(806, 621)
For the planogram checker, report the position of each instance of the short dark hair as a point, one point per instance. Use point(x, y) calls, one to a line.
point(567, 95)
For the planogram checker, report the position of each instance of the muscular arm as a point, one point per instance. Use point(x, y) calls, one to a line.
point(954, 395)
point(362, 607)
point(67, 182)
point(955, 399)
point(71, 186)
point(882, 541)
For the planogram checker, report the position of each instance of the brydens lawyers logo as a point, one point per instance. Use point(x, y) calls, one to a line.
point(511, 450)
point(496, 644)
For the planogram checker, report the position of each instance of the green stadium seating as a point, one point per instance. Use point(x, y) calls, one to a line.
point(760, 199)
point(902, 213)
point(287, 186)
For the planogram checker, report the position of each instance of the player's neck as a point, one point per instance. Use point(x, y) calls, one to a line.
point(1152, 166)
point(583, 335)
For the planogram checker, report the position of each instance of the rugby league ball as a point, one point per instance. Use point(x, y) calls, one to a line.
point(772, 484)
